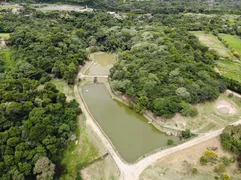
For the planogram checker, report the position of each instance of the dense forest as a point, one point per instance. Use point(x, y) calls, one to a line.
point(154, 6)
point(162, 66)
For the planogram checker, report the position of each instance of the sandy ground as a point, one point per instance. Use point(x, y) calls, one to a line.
point(225, 107)
point(179, 165)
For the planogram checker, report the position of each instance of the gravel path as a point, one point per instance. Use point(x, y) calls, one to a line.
point(133, 171)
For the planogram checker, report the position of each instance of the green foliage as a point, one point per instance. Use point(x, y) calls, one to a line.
point(188, 110)
point(34, 123)
point(209, 156)
point(194, 171)
point(169, 79)
point(170, 142)
point(221, 168)
point(225, 177)
point(186, 134)
point(227, 161)
point(203, 160)
point(231, 140)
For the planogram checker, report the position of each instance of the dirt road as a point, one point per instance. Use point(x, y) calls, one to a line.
point(133, 171)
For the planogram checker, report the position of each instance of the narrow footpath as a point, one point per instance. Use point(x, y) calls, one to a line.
point(133, 171)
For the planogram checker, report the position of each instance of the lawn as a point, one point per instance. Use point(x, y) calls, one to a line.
point(79, 153)
point(6, 57)
point(209, 116)
point(233, 41)
point(230, 69)
point(5, 35)
point(212, 42)
point(63, 87)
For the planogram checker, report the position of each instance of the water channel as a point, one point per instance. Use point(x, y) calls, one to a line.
point(129, 132)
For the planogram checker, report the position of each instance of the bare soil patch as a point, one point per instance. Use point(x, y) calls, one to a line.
point(179, 165)
point(225, 107)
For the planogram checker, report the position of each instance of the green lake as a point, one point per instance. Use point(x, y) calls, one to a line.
point(102, 63)
point(129, 131)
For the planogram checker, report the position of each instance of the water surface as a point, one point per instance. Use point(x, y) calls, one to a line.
point(129, 132)
point(102, 64)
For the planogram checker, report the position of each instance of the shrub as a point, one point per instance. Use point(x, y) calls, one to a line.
point(188, 110)
point(220, 169)
point(226, 177)
point(194, 171)
point(230, 95)
point(227, 161)
point(186, 134)
point(210, 155)
point(236, 54)
point(203, 160)
point(170, 142)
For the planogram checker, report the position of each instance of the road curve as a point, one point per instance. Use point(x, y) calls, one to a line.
point(133, 171)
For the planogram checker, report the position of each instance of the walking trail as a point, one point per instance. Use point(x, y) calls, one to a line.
point(133, 171)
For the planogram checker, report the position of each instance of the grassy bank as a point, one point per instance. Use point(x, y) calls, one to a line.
point(212, 42)
point(228, 66)
point(209, 117)
point(233, 41)
point(79, 154)
point(230, 69)
point(62, 86)
point(5, 35)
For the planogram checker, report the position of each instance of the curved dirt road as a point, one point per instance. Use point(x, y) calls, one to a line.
point(133, 171)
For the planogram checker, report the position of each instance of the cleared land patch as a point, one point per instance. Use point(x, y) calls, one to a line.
point(179, 165)
point(79, 153)
point(211, 115)
point(225, 107)
point(228, 68)
point(62, 86)
point(102, 63)
point(233, 41)
point(5, 35)
point(212, 42)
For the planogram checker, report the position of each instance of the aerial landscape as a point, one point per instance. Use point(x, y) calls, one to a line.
point(120, 89)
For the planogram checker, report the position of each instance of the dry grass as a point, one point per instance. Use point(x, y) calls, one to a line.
point(179, 165)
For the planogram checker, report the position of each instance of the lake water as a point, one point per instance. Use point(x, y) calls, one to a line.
point(129, 131)
point(102, 64)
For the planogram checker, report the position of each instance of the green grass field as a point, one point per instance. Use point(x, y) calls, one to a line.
point(230, 69)
point(6, 57)
point(78, 155)
point(62, 86)
point(5, 35)
point(233, 41)
point(212, 42)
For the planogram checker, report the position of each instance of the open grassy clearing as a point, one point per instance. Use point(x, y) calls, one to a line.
point(233, 41)
point(212, 42)
point(79, 153)
point(62, 86)
point(7, 59)
point(5, 35)
point(211, 115)
point(230, 69)
point(179, 165)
